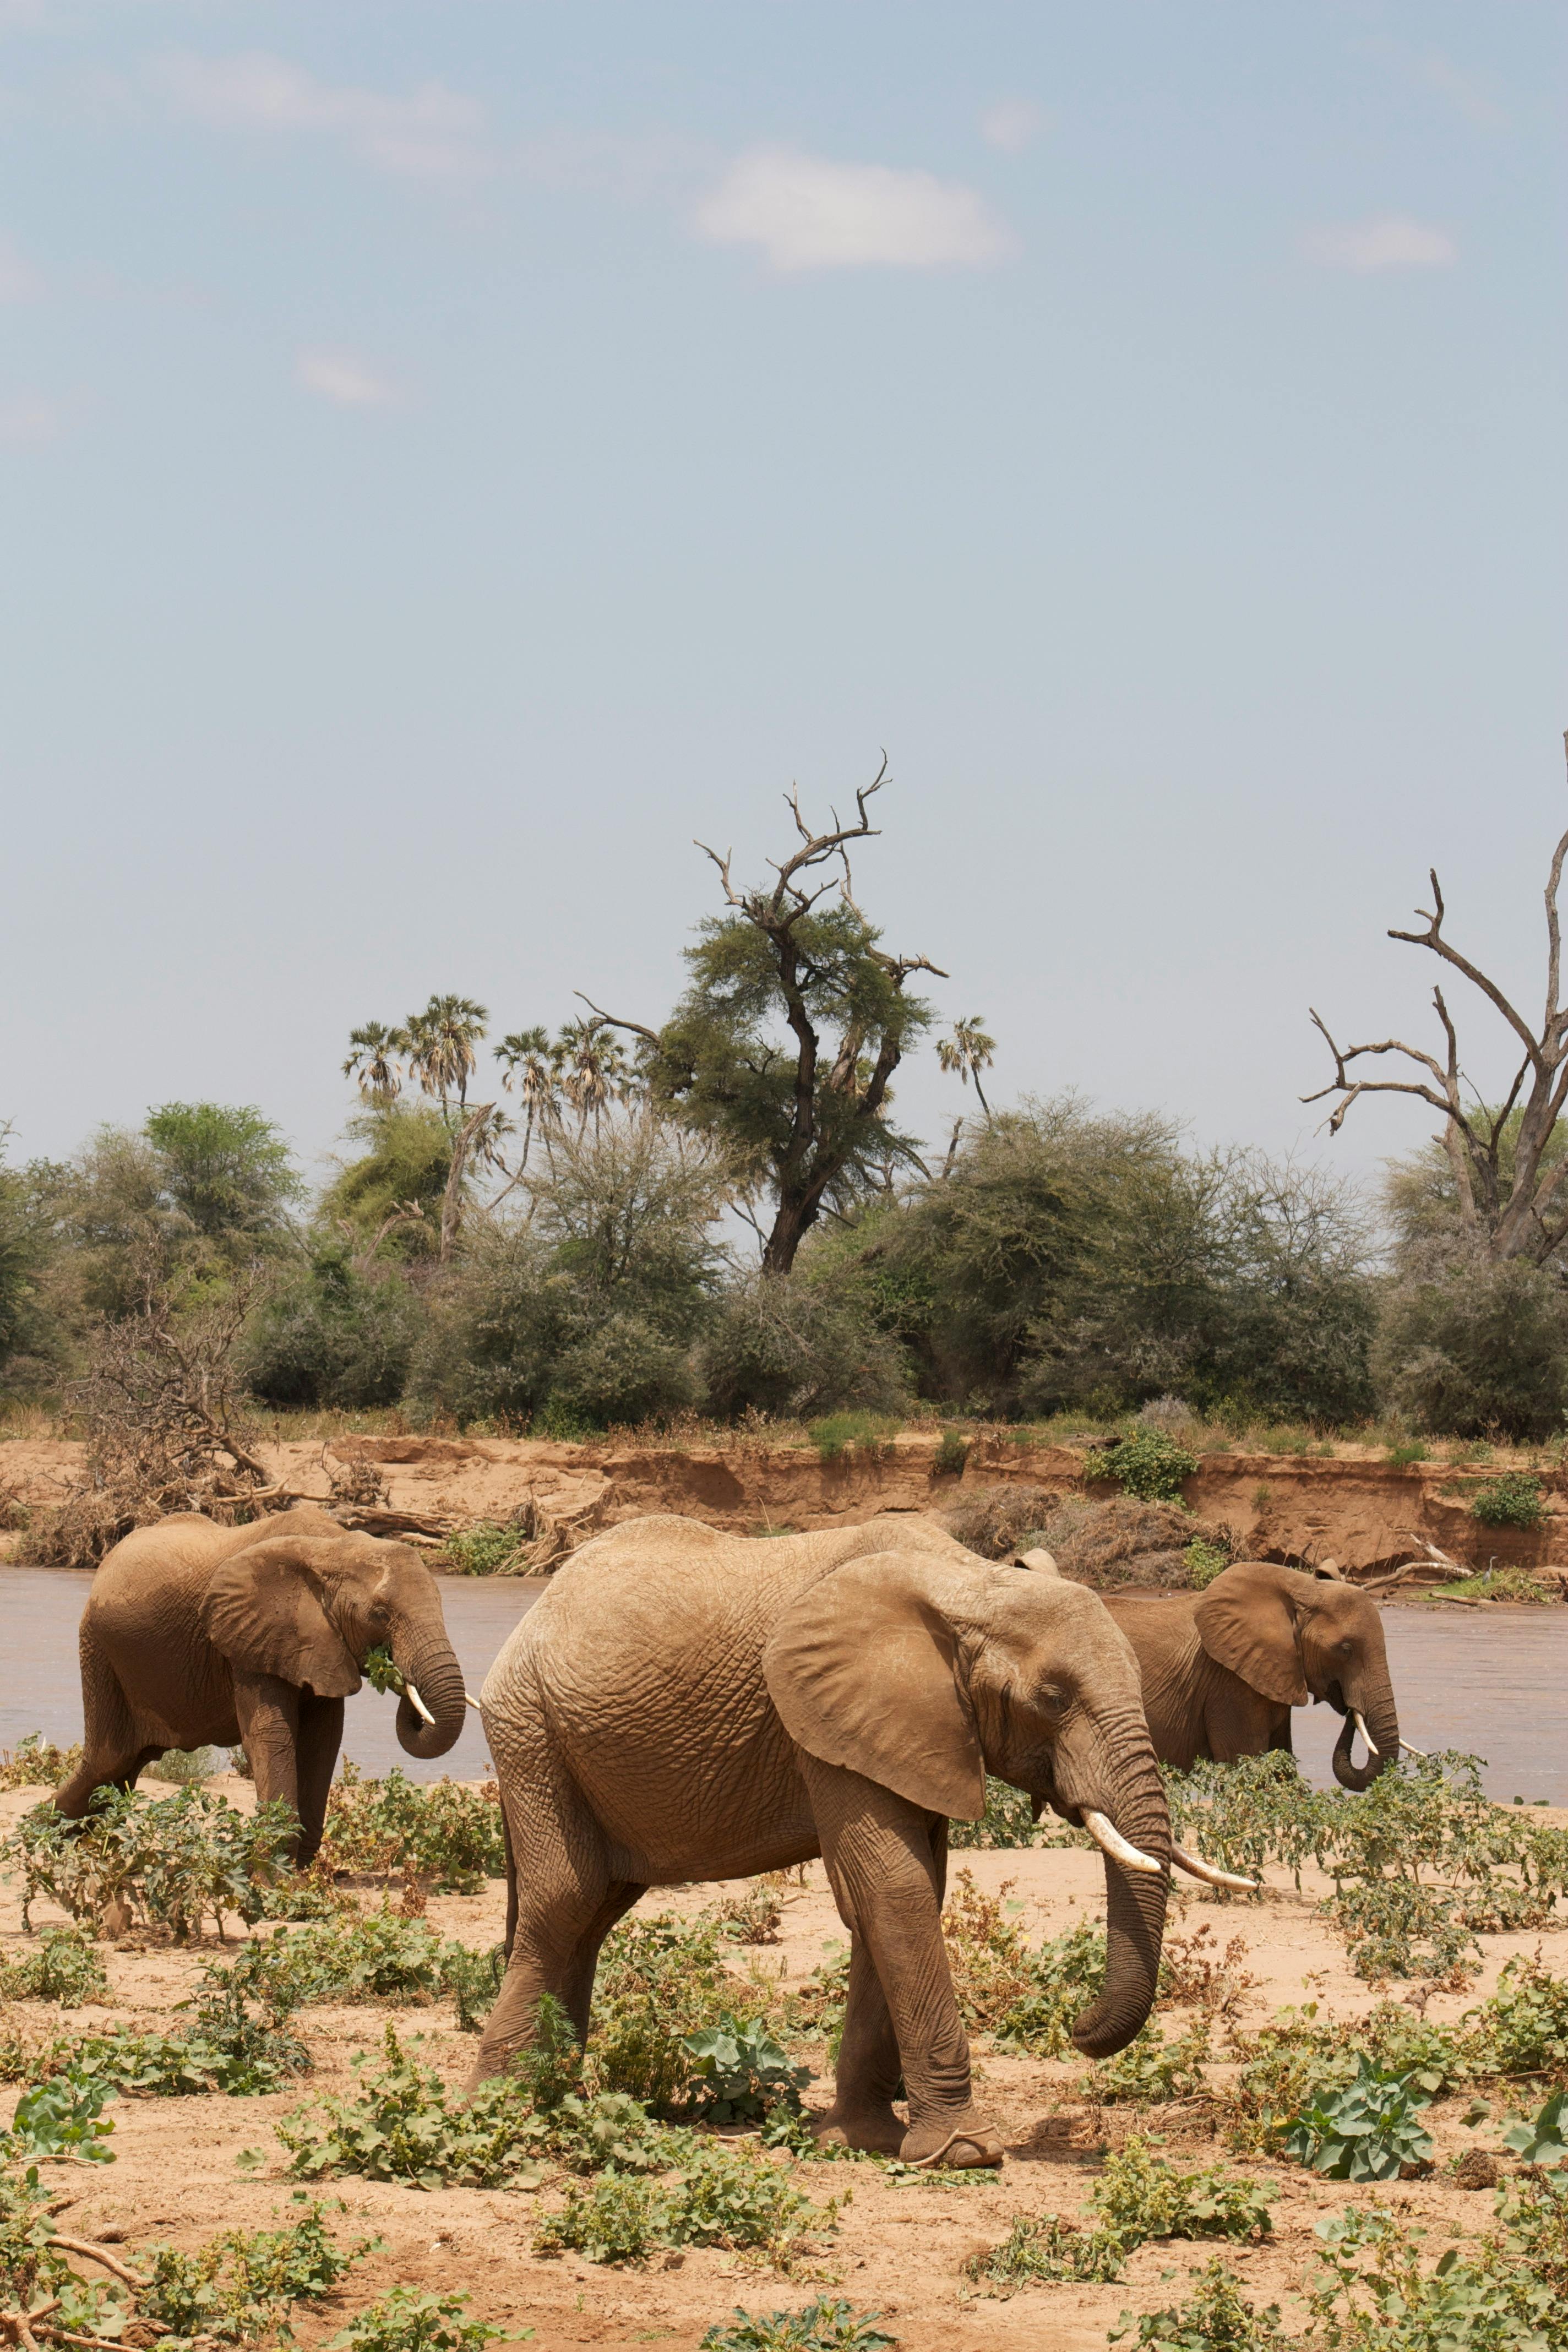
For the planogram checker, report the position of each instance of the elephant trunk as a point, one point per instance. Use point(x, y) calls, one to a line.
point(1134, 1900)
point(1380, 1718)
point(429, 1665)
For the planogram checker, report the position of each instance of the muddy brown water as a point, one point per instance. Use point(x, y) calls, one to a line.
point(1492, 1684)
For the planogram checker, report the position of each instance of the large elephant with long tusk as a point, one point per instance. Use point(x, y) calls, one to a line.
point(687, 1705)
point(194, 1633)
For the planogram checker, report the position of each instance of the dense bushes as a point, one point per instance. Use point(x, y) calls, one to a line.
point(1474, 1350)
point(329, 1335)
point(793, 1348)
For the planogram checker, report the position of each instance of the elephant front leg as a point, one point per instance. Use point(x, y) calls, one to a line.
point(319, 1738)
point(267, 1712)
point(884, 1867)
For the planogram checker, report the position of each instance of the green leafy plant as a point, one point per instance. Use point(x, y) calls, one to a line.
point(1523, 2028)
point(190, 1857)
point(473, 1979)
point(370, 1955)
point(36, 1763)
point(402, 2127)
point(1366, 2131)
point(447, 1833)
point(1372, 2294)
point(1218, 2318)
point(833, 1435)
point(1513, 1499)
point(1404, 1456)
point(62, 1967)
point(1147, 1464)
point(1204, 1562)
point(951, 1454)
point(1151, 2070)
point(407, 2320)
point(1401, 1928)
point(63, 2117)
point(241, 2284)
point(822, 2326)
point(1139, 2196)
point(1008, 1821)
point(615, 2219)
point(489, 1549)
point(1544, 2140)
point(736, 2198)
point(660, 1979)
point(738, 2072)
point(1065, 1975)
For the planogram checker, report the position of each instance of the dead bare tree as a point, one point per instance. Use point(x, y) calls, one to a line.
point(1510, 1193)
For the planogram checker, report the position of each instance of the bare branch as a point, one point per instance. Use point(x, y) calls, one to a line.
point(1431, 936)
point(634, 1028)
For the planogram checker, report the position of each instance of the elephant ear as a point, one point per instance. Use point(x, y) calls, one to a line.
point(1247, 1622)
point(263, 1611)
point(864, 1670)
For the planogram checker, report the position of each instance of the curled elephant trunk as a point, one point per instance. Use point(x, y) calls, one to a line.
point(1378, 1726)
point(433, 1671)
point(1134, 1909)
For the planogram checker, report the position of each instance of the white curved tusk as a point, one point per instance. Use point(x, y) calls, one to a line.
point(1105, 1833)
point(1360, 1722)
point(1195, 1868)
point(473, 1702)
point(411, 1693)
point(1407, 1749)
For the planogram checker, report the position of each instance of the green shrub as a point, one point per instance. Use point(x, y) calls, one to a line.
point(328, 1335)
point(951, 1454)
point(61, 2117)
point(373, 1956)
point(1067, 1973)
point(62, 1967)
point(241, 2285)
point(822, 2326)
point(402, 2127)
point(792, 1349)
point(178, 1861)
point(1476, 1351)
point(1513, 1499)
point(613, 2220)
point(1204, 1562)
point(660, 1979)
point(1218, 2318)
point(182, 1766)
point(486, 1550)
point(224, 2049)
point(1137, 2197)
point(1544, 2140)
point(739, 2073)
point(1523, 2030)
point(1399, 1927)
point(36, 1763)
point(406, 2320)
point(1366, 2131)
point(1147, 1464)
point(473, 1979)
point(871, 1435)
point(732, 2196)
point(1372, 2295)
point(449, 1834)
point(1151, 2070)
point(1402, 1457)
point(1008, 1821)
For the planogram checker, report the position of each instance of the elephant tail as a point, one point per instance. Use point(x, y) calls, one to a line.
point(511, 1883)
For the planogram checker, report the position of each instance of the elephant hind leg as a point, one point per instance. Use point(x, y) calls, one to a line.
point(868, 2071)
point(113, 1750)
point(566, 1903)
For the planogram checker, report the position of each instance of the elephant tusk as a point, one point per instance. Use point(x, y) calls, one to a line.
point(1407, 1749)
point(1360, 1722)
point(473, 1702)
point(411, 1692)
point(1195, 1868)
point(1105, 1833)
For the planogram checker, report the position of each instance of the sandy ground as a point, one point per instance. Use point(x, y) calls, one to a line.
point(898, 2248)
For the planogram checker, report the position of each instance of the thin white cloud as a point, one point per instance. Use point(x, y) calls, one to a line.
point(1387, 241)
point(807, 213)
point(344, 380)
point(18, 280)
point(435, 133)
point(28, 419)
point(1465, 90)
point(1010, 124)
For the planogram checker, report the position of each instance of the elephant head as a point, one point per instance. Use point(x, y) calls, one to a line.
point(923, 1676)
point(1294, 1637)
point(310, 1608)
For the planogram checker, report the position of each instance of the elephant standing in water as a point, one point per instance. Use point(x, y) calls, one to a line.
point(686, 1705)
point(1223, 1668)
point(195, 1633)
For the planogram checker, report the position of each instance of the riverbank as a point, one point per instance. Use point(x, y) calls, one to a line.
point(1369, 1516)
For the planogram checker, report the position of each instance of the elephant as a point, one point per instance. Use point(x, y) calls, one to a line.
point(195, 1633)
point(686, 1705)
point(1222, 1668)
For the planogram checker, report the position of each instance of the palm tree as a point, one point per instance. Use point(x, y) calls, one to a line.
point(525, 1056)
point(968, 1051)
point(370, 1049)
point(440, 1045)
point(600, 1071)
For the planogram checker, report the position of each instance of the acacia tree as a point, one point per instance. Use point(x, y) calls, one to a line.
point(784, 1047)
point(1508, 1178)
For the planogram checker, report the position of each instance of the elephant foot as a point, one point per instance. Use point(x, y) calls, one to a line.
point(962, 2146)
point(873, 2130)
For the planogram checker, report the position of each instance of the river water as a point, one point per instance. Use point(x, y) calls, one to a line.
point(1493, 1684)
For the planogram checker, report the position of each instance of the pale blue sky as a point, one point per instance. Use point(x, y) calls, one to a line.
point(452, 454)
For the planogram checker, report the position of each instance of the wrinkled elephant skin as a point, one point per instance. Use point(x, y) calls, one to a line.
point(686, 1705)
